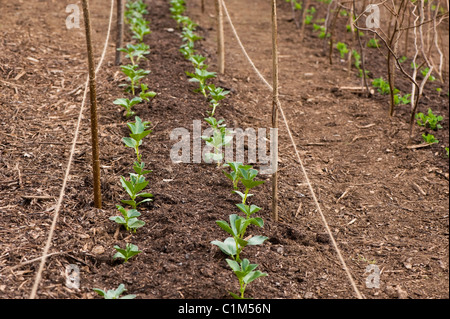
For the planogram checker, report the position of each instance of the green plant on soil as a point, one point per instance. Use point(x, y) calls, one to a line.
point(429, 139)
point(235, 173)
point(128, 104)
point(144, 95)
point(188, 51)
point(247, 178)
point(198, 61)
point(134, 76)
point(114, 293)
point(129, 219)
point(373, 43)
point(139, 28)
point(135, 52)
point(402, 100)
point(383, 87)
point(217, 94)
point(297, 5)
point(425, 71)
point(429, 119)
point(200, 76)
point(310, 15)
point(219, 139)
point(237, 227)
point(137, 180)
point(127, 253)
point(188, 35)
point(139, 130)
point(135, 10)
point(342, 48)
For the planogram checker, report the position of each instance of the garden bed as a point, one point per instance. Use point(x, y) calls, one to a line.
point(386, 205)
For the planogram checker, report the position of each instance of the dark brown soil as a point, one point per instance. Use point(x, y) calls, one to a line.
point(386, 204)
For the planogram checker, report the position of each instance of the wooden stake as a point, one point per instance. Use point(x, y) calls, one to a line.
point(120, 24)
point(275, 104)
point(220, 37)
point(93, 99)
point(203, 6)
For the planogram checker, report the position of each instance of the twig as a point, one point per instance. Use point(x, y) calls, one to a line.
point(31, 261)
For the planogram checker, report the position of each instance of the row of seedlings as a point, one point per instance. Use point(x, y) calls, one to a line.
point(135, 185)
point(238, 174)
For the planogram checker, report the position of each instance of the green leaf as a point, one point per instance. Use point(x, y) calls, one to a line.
point(242, 194)
point(234, 265)
point(256, 240)
point(119, 255)
point(228, 246)
point(118, 219)
point(251, 184)
point(133, 213)
point(224, 225)
point(130, 202)
point(145, 195)
point(134, 223)
point(145, 201)
point(122, 102)
point(100, 291)
point(128, 186)
point(140, 186)
point(253, 275)
point(130, 142)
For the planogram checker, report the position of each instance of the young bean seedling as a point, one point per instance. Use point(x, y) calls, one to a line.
point(201, 76)
point(135, 10)
point(137, 180)
point(188, 35)
point(129, 219)
point(402, 100)
point(245, 272)
point(144, 95)
point(140, 28)
point(127, 253)
point(217, 95)
point(139, 130)
point(235, 174)
point(425, 72)
point(134, 76)
point(135, 52)
point(247, 178)
point(188, 51)
point(219, 139)
point(128, 104)
point(114, 293)
point(233, 246)
point(198, 61)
